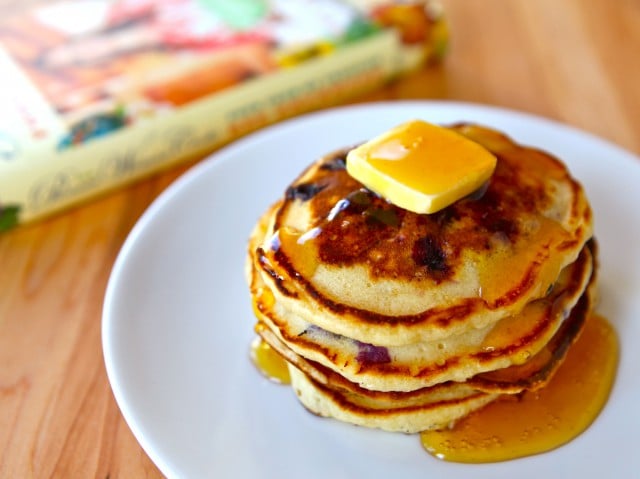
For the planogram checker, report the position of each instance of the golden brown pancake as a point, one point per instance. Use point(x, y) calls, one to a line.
point(409, 321)
point(326, 393)
point(381, 274)
point(511, 341)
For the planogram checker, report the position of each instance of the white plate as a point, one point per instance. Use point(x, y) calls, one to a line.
point(177, 319)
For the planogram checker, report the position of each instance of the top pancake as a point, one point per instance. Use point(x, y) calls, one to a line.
point(340, 257)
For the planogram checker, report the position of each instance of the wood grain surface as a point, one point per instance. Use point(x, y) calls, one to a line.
point(574, 60)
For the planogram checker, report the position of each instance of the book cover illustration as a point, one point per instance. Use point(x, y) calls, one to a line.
point(78, 72)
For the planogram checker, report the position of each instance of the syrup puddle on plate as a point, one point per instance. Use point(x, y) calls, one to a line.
point(542, 420)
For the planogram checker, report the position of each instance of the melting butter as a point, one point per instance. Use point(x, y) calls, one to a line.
point(421, 167)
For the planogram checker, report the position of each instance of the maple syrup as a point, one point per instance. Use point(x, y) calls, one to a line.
point(542, 420)
point(269, 362)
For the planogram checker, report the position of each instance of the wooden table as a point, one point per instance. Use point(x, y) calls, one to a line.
point(576, 61)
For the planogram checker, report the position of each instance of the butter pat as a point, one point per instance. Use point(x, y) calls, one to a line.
point(420, 166)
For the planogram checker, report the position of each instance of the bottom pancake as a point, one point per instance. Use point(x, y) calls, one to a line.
point(409, 419)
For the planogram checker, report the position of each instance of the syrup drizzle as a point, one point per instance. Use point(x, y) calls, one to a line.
point(542, 420)
point(269, 362)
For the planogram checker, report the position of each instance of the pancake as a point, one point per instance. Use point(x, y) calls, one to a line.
point(346, 260)
point(511, 341)
point(406, 321)
point(408, 419)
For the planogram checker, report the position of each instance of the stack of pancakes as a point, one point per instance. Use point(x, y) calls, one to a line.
point(408, 322)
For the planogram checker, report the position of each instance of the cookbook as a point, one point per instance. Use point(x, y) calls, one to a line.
point(98, 93)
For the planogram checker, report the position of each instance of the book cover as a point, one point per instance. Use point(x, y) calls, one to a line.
point(98, 93)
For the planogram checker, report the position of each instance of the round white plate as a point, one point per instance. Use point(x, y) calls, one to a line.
point(177, 319)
